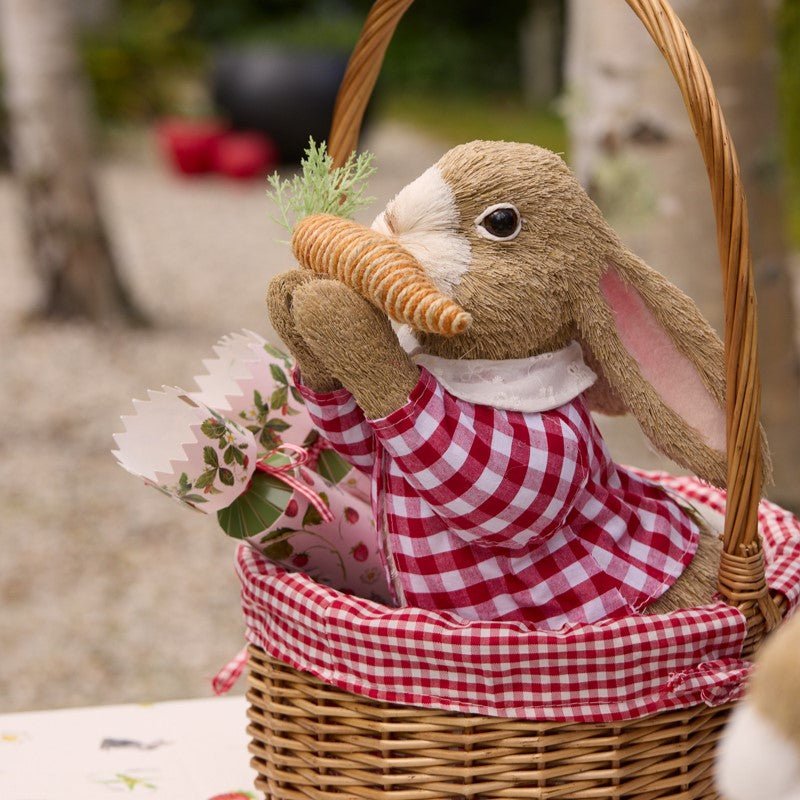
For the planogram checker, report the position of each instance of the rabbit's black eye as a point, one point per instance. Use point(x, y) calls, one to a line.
point(499, 223)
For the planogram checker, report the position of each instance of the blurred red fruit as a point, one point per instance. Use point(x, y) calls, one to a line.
point(292, 508)
point(233, 796)
point(351, 515)
point(300, 560)
point(190, 145)
point(245, 155)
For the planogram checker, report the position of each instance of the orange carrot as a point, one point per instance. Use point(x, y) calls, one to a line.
point(379, 269)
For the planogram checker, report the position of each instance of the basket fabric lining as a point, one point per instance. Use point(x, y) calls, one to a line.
point(609, 671)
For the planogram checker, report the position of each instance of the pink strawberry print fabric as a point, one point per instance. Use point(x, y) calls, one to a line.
point(342, 553)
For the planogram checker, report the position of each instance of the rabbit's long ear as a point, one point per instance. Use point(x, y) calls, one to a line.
point(659, 359)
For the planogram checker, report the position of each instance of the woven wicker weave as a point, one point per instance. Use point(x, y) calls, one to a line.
point(311, 741)
point(314, 741)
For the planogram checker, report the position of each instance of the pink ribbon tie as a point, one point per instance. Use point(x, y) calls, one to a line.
point(226, 678)
point(297, 458)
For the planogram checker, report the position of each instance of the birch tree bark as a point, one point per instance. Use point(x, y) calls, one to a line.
point(50, 142)
point(633, 146)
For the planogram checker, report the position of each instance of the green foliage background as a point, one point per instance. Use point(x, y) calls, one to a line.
point(132, 61)
point(447, 46)
point(453, 66)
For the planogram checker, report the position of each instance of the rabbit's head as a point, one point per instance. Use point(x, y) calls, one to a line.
point(507, 231)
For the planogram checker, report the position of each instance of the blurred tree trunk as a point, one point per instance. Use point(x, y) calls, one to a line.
point(541, 39)
point(50, 141)
point(633, 146)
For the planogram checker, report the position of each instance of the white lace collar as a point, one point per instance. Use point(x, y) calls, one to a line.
point(538, 383)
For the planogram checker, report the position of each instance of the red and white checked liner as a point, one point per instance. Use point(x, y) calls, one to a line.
point(617, 669)
point(226, 678)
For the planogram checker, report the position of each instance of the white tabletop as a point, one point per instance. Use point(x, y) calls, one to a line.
point(185, 750)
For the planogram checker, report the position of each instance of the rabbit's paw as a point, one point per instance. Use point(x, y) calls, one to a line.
point(280, 294)
point(355, 343)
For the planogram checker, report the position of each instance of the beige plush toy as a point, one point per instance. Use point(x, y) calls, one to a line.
point(759, 758)
point(495, 494)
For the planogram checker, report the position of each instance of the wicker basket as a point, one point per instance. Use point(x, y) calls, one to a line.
point(312, 741)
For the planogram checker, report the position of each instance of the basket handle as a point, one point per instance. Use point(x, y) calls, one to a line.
point(741, 577)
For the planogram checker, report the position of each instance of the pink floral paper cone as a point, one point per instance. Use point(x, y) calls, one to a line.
point(186, 450)
point(249, 381)
point(202, 449)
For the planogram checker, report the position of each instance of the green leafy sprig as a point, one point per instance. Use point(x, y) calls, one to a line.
point(321, 188)
point(216, 428)
point(257, 419)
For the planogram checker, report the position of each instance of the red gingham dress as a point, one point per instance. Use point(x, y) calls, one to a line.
point(508, 515)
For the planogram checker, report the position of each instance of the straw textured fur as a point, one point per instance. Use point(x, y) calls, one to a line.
point(565, 276)
point(280, 296)
point(775, 686)
point(543, 288)
point(429, 230)
point(356, 343)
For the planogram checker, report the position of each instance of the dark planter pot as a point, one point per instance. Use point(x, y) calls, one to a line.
point(288, 95)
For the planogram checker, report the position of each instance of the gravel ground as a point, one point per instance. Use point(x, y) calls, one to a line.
point(109, 592)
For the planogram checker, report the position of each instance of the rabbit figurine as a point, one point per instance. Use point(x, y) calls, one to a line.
point(759, 757)
point(493, 491)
